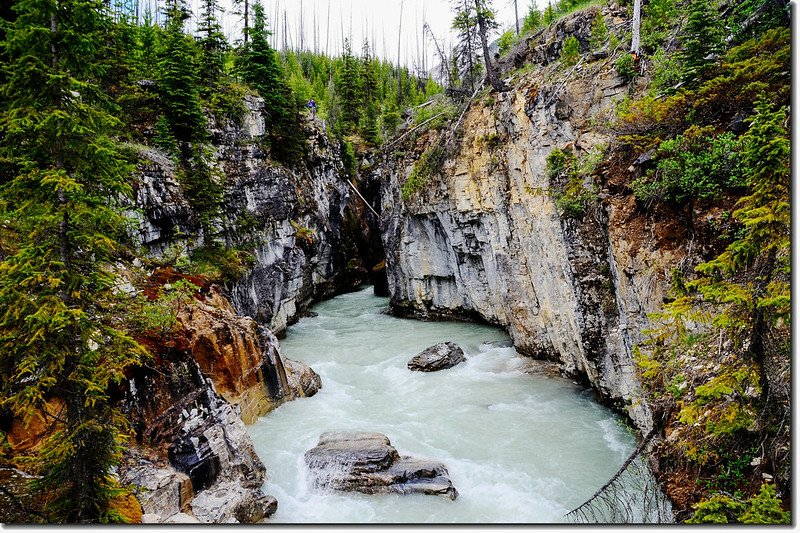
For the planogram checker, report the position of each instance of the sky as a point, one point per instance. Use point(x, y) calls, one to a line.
point(377, 20)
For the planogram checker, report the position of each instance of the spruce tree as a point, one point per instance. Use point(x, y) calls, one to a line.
point(212, 47)
point(702, 39)
point(260, 69)
point(464, 53)
point(178, 81)
point(485, 18)
point(348, 85)
point(369, 75)
point(762, 251)
point(61, 333)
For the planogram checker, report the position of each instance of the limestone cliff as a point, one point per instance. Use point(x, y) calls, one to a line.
point(485, 238)
point(293, 222)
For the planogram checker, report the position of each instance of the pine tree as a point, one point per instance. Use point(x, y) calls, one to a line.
point(464, 54)
point(212, 47)
point(485, 17)
point(260, 69)
point(61, 334)
point(348, 85)
point(178, 83)
point(369, 126)
point(702, 39)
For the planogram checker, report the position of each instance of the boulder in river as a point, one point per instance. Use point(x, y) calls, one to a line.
point(368, 463)
point(438, 357)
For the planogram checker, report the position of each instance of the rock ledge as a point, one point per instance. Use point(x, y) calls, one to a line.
point(368, 463)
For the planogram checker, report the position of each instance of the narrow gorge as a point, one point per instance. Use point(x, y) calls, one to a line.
point(546, 281)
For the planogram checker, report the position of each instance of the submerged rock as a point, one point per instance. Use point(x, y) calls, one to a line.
point(438, 357)
point(368, 463)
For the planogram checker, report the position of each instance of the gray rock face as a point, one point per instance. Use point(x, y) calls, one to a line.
point(485, 239)
point(293, 220)
point(368, 463)
point(201, 461)
point(437, 357)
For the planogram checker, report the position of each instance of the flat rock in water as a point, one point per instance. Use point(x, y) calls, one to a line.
point(438, 357)
point(368, 463)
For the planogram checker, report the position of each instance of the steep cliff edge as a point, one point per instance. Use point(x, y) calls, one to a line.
point(292, 230)
point(485, 238)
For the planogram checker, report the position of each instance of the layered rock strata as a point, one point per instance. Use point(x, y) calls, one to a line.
point(485, 238)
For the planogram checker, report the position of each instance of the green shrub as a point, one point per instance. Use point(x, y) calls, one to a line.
point(506, 41)
point(220, 263)
point(696, 164)
point(533, 20)
point(626, 67)
point(716, 510)
point(571, 51)
point(428, 165)
point(227, 101)
point(666, 72)
point(349, 159)
point(599, 32)
point(573, 195)
point(657, 17)
point(159, 315)
point(557, 161)
point(763, 508)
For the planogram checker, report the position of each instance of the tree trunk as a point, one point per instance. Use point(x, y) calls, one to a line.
point(491, 74)
point(637, 23)
point(246, 20)
point(516, 16)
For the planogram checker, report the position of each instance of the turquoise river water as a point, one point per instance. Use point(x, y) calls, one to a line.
point(519, 447)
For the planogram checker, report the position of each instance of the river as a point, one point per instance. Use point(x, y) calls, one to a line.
point(519, 447)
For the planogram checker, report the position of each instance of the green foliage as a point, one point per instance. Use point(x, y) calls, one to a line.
point(599, 31)
point(349, 87)
point(750, 19)
point(212, 47)
point(533, 20)
point(557, 162)
point(158, 316)
point(202, 188)
point(349, 159)
point(571, 192)
point(261, 70)
point(666, 73)
point(626, 67)
point(428, 165)
point(219, 263)
point(716, 510)
point(178, 85)
point(571, 51)
point(506, 41)
point(658, 17)
point(702, 39)
point(696, 164)
point(61, 324)
point(763, 508)
point(304, 235)
point(441, 106)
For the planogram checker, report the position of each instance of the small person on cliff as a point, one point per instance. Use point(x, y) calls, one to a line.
point(312, 105)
